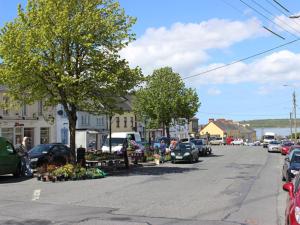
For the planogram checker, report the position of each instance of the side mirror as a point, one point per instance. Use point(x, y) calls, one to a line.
point(289, 187)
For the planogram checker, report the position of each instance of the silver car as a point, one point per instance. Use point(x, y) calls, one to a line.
point(274, 146)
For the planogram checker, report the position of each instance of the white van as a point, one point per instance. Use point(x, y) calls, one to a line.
point(117, 140)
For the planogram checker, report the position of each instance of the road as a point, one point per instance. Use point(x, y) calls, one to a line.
point(236, 185)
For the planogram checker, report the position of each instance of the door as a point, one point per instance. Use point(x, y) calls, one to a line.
point(9, 160)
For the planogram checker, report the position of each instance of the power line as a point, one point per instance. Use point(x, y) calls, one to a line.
point(281, 6)
point(241, 60)
point(267, 18)
point(282, 21)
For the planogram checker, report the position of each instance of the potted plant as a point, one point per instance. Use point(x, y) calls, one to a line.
point(156, 158)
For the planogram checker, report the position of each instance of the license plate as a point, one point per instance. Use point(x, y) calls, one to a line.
point(178, 157)
point(33, 160)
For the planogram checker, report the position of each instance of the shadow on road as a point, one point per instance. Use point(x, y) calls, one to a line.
point(6, 179)
point(153, 170)
point(212, 155)
point(27, 222)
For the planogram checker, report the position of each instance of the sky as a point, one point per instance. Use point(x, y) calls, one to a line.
point(212, 44)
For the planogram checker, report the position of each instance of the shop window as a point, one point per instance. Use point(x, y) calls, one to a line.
point(8, 133)
point(44, 135)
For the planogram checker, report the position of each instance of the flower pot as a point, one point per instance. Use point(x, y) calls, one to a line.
point(156, 161)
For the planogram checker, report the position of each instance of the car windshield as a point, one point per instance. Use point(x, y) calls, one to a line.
point(41, 148)
point(197, 142)
point(296, 158)
point(268, 137)
point(114, 141)
point(288, 144)
point(183, 146)
point(274, 142)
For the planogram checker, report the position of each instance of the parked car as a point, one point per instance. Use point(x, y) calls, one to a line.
point(229, 140)
point(292, 211)
point(55, 153)
point(238, 141)
point(217, 141)
point(285, 147)
point(10, 161)
point(274, 146)
point(291, 165)
point(185, 151)
point(201, 145)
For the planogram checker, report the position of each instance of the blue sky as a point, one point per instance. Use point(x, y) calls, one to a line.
point(194, 36)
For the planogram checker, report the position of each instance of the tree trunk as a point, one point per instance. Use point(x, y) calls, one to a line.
point(163, 127)
point(72, 127)
point(110, 122)
point(168, 131)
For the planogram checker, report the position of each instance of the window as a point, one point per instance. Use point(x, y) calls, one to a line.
point(5, 111)
point(18, 135)
point(44, 135)
point(24, 110)
point(8, 133)
point(100, 121)
point(117, 122)
point(40, 108)
point(85, 119)
point(125, 121)
point(131, 121)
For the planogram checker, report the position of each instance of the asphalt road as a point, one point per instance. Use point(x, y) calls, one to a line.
point(236, 185)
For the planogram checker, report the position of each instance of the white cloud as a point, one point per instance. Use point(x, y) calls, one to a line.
point(214, 91)
point(279, 67)
point(185, 46)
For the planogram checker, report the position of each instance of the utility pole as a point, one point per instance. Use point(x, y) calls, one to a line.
point(291, 124)
point(295, 114)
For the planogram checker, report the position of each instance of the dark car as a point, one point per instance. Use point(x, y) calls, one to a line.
point(291, 165)
point(185, 151)
point(202, 147)
point(10, 161)
point(292, 211)
point(55, 153)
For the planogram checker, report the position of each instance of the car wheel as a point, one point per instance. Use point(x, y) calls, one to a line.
point(283, 178)
point(18, 171)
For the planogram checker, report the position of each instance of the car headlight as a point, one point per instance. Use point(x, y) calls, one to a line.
point(294, 172)
point(172, 154)
point(297, 214)
point(186, 154)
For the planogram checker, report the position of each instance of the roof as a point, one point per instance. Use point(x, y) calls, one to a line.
point(225, 125)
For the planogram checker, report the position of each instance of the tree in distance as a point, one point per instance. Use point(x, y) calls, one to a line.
point(164, 98)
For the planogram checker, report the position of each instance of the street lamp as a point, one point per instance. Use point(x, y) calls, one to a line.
point(294, 109)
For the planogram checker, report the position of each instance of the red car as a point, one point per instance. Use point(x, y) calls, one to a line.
point(229, 140)
point(292, 211)
point(286, 148)
point(291, 148)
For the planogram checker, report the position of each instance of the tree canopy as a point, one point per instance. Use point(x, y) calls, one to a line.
point(165, 98)
point(67, 52)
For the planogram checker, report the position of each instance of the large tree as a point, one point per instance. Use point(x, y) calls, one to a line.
point(164, 98)
point(66, 52)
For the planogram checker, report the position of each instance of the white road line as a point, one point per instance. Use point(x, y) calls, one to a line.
point(36, 195)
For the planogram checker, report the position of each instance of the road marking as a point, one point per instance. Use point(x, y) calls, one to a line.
point(36, 195)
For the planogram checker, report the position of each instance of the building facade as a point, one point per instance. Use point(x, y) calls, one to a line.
point(33, 121)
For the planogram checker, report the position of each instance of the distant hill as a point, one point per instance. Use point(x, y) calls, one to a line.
point(269, 123)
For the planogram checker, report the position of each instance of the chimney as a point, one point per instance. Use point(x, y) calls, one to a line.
point(211, 120)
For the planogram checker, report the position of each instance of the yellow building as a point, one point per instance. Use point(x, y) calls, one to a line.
point(227, 128)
